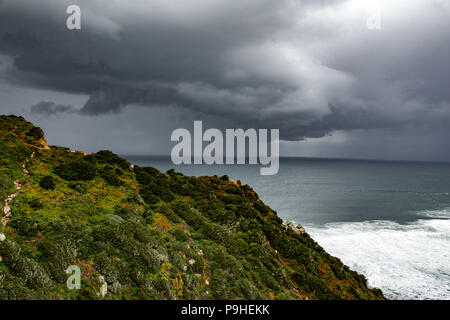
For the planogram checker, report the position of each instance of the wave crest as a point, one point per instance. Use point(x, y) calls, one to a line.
point(406, 261)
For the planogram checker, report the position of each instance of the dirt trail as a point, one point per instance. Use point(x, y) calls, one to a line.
point(6, 210)
point(13, 132)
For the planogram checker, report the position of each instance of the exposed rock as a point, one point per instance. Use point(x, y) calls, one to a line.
point(43, 144)
point(288, 225)
point(301, 229)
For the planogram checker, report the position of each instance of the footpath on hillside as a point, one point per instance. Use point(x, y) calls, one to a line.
point(6, 210)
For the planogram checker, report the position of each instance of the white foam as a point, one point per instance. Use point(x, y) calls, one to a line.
point(438, 214)
point(409, 261)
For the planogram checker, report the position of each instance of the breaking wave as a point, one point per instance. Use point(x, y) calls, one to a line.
point(406, 261)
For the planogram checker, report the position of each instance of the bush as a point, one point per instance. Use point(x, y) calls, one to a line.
point(74, 171)
point(110, 176)
point(36, 133)
point(169, 213)
point(154, 185)
point(149, 219)
point(180, 235)
point(47, 183)
point(78, 186)
point(111, 158)
point(32, 273)
point(25, 226)
point(190, 215)
point(214, 232)
point(58, 254)
point(114, 219)
point(36, 203)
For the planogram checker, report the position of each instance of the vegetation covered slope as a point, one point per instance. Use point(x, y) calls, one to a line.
point(150, 235)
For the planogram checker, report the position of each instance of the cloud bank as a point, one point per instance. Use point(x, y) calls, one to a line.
point(310, 68)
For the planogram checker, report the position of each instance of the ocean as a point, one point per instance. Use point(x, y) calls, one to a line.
point(388, 220)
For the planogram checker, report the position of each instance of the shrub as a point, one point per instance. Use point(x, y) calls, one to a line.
point(114, 219)
point(36, 133)
point(135, 198)
point(47, 183)
point(149, 219)
point(13, 288)
point(25, 226)
point(214, 232)
point(58, 254)
point(110, 176)
point(33, 274)
point(261, 207)
point(108, 267)
point(36, 203)
point(234, 190)
point(150, 198)
point(180, 235)
point(79, 170)
point(154, 185)
point(245, 288)
point(122, 212)
point(190, 215)
point(78, 186)
point(220, 285)
point(169, 213)
point(111, 158)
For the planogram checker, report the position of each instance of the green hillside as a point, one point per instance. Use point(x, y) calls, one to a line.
point(150, 235)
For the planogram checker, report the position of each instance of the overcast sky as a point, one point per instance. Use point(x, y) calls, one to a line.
point(139, 69)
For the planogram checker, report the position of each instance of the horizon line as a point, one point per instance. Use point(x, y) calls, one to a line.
point(309, 157)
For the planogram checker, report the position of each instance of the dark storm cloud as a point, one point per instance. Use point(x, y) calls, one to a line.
point(306, 67)
point(49, 108)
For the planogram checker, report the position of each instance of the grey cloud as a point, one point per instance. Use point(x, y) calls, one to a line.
point(49, 108)
point(114, 98)
point(285, 64)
